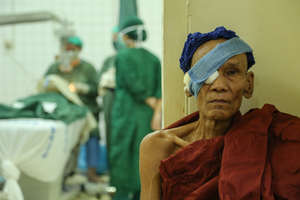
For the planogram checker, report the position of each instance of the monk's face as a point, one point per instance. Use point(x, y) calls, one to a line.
point(222, 99)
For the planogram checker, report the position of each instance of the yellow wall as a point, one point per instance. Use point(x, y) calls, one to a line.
point(174, 31)
point(271, 27)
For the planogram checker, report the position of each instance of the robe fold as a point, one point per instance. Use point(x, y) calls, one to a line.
point(258, 158)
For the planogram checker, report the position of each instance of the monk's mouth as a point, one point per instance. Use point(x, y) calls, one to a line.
point(219, 101)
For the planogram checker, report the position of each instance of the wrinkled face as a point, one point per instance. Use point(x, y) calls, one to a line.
point(222, 99)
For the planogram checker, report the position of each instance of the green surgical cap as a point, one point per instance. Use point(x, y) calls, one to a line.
point(133, 21)
point(115, 29)
point(75, 41)
point(130, 21)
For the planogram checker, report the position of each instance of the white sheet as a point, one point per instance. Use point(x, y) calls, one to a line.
point(38, 147)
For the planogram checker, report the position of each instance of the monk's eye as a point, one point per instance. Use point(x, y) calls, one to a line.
point(231, 72)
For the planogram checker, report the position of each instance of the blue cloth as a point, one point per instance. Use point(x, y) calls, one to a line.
point(194, 40)
point(92, 152)
point(102, 166)
point(213, 60)
point(81, 162)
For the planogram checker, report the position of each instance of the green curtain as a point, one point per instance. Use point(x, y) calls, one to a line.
point(127, 8)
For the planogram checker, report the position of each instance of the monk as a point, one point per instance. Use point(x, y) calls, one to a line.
point(217, 153)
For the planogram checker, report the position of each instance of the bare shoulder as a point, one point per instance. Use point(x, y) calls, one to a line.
point(158, 141)
point(163, 141)
point(154, 147)
point(154, 137)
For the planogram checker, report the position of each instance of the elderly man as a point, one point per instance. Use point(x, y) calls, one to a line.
point(216, 153)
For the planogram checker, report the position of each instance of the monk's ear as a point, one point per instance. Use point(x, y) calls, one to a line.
point(248, 91)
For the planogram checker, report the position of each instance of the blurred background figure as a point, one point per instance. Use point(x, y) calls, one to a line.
point(137, 103)
point(82, 78)
point(107, 84)
point(28, 44)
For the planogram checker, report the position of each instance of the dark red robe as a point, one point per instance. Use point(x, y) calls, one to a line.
point(258, 158)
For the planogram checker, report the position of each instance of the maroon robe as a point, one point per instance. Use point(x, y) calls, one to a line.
point(258, 158)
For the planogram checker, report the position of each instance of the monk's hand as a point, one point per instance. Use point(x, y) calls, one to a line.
point(177, 135)
point(179, 141)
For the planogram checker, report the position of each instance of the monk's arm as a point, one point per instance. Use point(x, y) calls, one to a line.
point(154, 148)
point(150, 158)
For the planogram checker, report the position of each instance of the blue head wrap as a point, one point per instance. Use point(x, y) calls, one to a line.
point(194, 40)
point(212, 61)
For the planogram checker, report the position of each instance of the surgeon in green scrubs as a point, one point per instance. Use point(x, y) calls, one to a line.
point(137, 107)
point(83, 80)
point(107, 84)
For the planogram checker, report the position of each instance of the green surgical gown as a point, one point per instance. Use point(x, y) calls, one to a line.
point(84, 72)
point(138, 76)
point(108, 98)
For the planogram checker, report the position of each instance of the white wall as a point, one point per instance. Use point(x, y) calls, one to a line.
point(151, 11)
point(35, 45)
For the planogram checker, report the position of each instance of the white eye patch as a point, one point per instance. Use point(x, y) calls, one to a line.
point(212, 78)
point(206, 69)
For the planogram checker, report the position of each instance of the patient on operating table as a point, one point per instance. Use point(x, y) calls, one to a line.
point(217, 153)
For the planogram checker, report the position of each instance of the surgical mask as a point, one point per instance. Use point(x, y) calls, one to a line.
point(119, 44)
point(66, 59)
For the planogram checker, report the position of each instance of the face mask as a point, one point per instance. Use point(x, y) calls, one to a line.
point(66, 59)
point(118, 45)
point(73, 54)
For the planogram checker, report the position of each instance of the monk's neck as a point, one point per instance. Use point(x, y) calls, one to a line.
point(209, 128)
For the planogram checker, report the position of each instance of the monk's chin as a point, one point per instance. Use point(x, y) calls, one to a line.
point(219, 115)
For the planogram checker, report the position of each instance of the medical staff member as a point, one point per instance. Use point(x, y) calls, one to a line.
point(137, 107)
point(107, 84)
point(82, 77)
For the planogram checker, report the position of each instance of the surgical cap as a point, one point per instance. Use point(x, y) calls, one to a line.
point(194, 40)
point(115, 29)
point(132, 21)
point(75, 40)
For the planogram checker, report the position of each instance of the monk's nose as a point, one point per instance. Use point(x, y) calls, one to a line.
point(219, 85)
